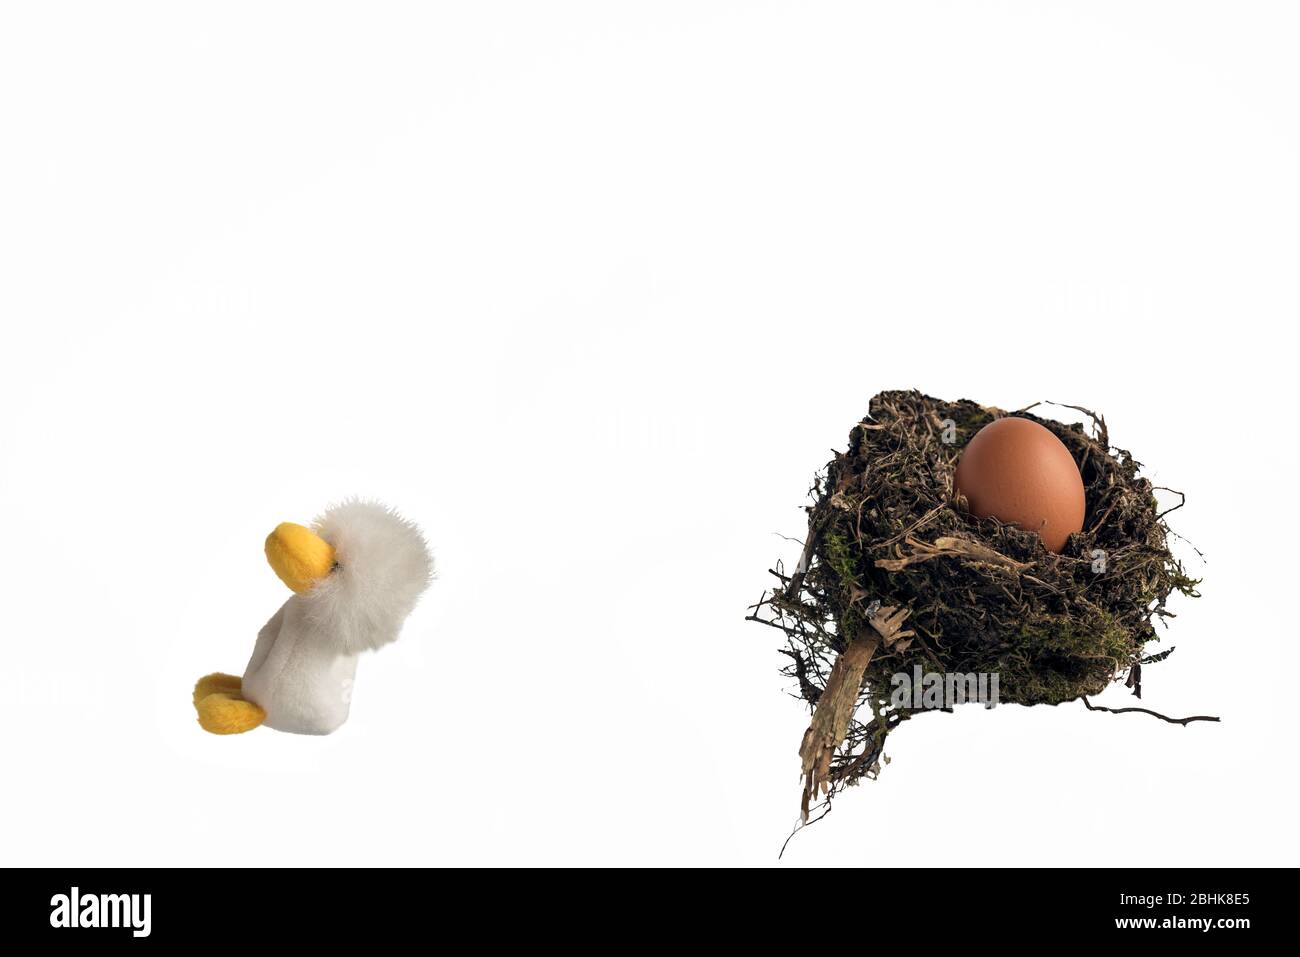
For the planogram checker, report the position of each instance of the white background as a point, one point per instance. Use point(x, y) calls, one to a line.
point(590, 291)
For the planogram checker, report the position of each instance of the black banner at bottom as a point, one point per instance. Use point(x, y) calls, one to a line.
point(572, 907)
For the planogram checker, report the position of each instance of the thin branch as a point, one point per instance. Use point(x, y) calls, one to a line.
point(1182, 500)
point(801, 824)
point(1155, 714)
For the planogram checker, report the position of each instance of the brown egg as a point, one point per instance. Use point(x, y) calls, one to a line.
point(1020, 473)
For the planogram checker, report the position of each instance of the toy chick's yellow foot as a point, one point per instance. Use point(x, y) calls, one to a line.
point(226, 713)
point(221, 708)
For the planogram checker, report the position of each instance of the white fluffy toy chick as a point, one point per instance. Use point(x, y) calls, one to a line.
point(356, 575)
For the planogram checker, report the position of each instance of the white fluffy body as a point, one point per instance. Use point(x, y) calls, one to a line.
point(305, 659)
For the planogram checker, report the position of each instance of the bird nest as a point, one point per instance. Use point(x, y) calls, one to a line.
point(897, 575)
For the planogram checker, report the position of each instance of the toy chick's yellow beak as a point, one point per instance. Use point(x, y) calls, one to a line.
point(299, 556)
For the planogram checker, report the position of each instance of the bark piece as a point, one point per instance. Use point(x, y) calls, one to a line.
point(839, 700)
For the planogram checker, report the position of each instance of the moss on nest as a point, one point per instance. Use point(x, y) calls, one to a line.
point(886, 528)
